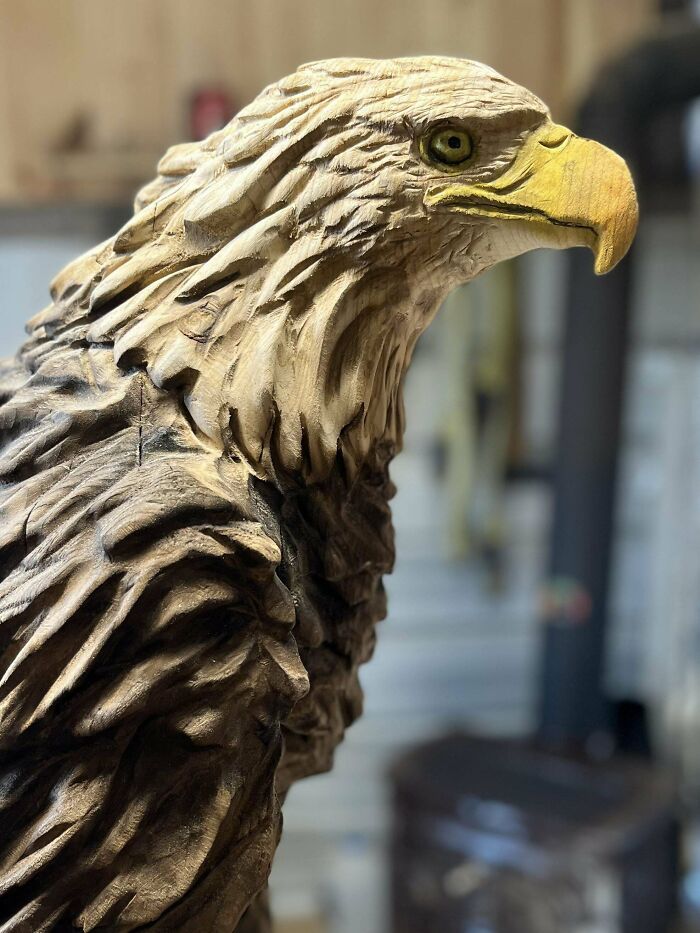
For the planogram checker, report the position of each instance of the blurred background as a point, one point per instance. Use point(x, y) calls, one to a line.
point(528, 761)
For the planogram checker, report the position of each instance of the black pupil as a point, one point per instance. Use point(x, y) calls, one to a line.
point(454, 142)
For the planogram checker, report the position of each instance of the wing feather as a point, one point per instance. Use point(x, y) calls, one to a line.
point(146, 662)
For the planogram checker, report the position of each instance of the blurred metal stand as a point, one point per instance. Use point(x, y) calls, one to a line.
point(499, 837)
point(560, 834)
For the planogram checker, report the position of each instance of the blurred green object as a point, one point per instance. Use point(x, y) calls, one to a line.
point(481, 353)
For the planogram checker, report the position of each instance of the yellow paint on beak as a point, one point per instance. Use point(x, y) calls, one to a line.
point(570, 192)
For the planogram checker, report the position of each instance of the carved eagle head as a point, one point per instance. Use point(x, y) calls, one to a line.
point(194, 493)
point(280, 272)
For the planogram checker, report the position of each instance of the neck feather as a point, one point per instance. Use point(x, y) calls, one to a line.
point(312, 369)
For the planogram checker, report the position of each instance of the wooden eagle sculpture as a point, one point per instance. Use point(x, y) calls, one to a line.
point(194, 451)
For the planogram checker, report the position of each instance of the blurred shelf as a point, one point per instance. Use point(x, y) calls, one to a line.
point(63, 217)
point(102, 177)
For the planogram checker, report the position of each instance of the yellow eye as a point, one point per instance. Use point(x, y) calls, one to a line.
point(449, 146)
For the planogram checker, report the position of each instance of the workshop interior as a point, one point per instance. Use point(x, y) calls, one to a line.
point(528, 759)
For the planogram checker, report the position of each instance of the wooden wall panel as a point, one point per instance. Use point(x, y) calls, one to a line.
point(122, 74)
point(6, 161)
point(595, 30)
point(40, 75)
point(524, 42)
point(126, 69)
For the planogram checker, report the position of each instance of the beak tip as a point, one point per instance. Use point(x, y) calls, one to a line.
point(604, 264)
point(600, 267)
point(606, 257)
point(612, 245)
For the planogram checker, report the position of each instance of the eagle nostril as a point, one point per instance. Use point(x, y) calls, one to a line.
point(556, 139)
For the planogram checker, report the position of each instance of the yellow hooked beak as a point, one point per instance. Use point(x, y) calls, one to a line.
point(564, 191)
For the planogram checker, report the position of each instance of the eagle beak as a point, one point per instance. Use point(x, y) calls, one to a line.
point(563, 190)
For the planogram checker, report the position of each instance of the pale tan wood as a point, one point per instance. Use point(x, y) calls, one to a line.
point(127, 63)
point(538, 63)
point(595, 31)
point(194, 489)
point(129, 68)
point(7, 167)
point(41, 33)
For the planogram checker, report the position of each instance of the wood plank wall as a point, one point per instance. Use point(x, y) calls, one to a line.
point(120, 74)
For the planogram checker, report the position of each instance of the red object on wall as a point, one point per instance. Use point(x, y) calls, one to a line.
point(210, 109)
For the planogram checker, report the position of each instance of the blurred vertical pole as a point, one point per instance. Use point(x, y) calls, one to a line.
point(573, 705)
point(662, 72)
point(594, 353)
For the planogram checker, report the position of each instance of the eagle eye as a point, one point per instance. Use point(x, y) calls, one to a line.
point(449, 147)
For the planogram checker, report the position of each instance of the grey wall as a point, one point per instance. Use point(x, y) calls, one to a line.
point(35, 244)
